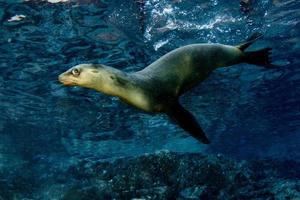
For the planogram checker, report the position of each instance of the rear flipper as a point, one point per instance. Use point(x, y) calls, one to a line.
point(260, 57)
point(188, 122)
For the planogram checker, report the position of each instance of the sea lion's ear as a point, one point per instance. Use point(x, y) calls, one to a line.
point(187, 121)
point(120, 81)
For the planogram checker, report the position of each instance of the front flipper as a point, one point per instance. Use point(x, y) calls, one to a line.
point(187, 121)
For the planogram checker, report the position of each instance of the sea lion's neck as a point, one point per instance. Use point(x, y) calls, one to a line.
point(112, 82)
point(123, 85)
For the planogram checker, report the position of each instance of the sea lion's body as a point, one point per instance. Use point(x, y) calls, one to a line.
point(157, 87)
point(181, 69)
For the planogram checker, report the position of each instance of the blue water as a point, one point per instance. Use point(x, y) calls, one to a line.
point(248, 112)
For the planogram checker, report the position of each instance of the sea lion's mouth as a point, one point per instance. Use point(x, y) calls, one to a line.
point(68, 83)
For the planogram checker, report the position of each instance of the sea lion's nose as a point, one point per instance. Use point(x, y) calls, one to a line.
point(60, 78)
point(63, 79)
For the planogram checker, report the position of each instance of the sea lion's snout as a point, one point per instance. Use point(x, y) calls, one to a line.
point(65, 80)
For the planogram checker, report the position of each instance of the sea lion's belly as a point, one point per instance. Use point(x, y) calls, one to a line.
point(180, 70)
point(145, 97)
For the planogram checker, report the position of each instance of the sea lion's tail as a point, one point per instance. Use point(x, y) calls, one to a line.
point(260, 57)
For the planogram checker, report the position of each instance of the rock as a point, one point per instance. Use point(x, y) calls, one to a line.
point(193, 192)
point(286, 189)
point(82, 194)
point(166, 175)
point(162, 175)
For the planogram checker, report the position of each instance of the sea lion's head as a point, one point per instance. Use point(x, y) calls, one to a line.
point(86, 75)
point(94, 76)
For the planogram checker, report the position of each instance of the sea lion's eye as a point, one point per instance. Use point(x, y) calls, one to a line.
point(75, 72)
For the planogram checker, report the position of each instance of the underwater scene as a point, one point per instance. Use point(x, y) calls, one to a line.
point(75, 143)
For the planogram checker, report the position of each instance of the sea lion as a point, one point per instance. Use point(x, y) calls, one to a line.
point(157, 87)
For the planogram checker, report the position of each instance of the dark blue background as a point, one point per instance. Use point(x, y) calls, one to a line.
point(247, 111)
